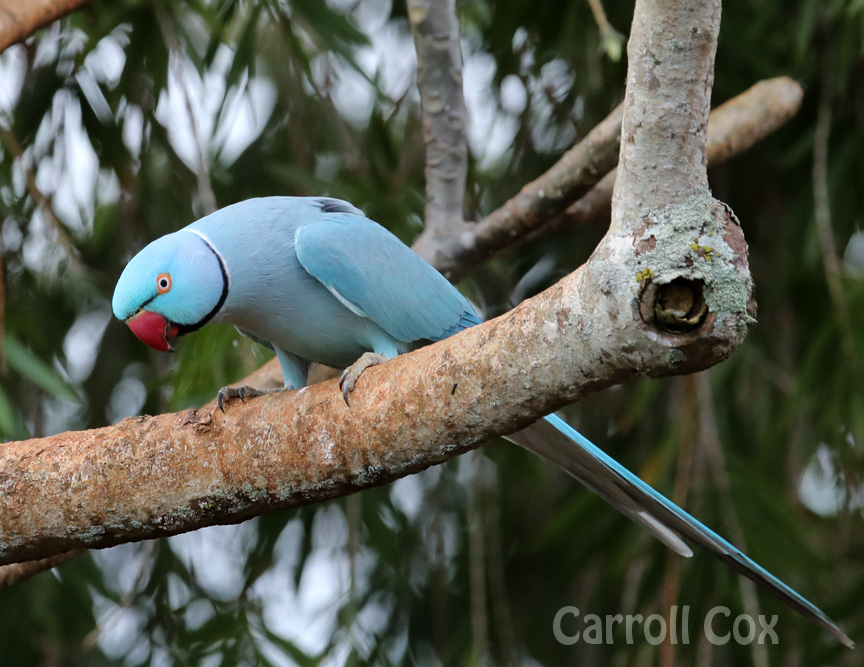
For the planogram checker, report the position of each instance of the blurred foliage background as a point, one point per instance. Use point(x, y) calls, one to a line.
point(132, 118)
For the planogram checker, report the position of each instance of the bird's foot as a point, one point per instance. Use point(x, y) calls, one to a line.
point(351, 374)
point(243, 392)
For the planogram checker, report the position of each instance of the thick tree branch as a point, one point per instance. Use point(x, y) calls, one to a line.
point(679, 235)
point(568, 179)
point(746, 119)
point(571, 192)
point(267, 376)
point(654, 299)
point(439, 80)
point(20, 19)
point(668, 98)
point(733, 128)
point(148, 477)
point(455, 253)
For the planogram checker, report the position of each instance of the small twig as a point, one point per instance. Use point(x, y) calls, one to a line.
point(689, 410)
point(12, 574)
point(572, 176)
point(497, 587)
point(613, 40)
point(713, 451)
point(600, 15)
point(822, 210)
point(477, 563)
point(435, 27)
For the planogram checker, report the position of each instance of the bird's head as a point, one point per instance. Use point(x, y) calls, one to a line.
point(173, 286)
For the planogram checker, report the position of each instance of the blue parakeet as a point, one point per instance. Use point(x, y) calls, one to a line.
point(318, 282)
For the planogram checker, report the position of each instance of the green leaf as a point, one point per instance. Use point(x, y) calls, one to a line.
point(36, 370)
point(11, 425)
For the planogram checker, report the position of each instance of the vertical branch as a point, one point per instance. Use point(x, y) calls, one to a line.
point(669, 79)
point(600, 16)
point(435, 27)
point(477, 563)
point(822, 211)
point(354, 518)
point(689, 409)
point(505, 627)
point(438, 611)
point(693, 280)
point(2, 310)
point(710, 442)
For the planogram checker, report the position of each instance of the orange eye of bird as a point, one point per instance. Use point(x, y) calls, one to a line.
point(163, 283)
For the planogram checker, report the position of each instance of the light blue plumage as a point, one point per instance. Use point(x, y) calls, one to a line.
point(318, 282)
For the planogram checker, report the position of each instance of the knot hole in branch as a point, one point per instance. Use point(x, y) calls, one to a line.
point(677, 307)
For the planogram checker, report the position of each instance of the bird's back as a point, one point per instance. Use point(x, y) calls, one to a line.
point(273, 295)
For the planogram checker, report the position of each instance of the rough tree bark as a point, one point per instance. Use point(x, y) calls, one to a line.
point(564, 195)
point(688, 248)
point(568, 179)
point(733, 127)
point(20, 19)
point(666, 292)
point(745, 120)
point(435, 27)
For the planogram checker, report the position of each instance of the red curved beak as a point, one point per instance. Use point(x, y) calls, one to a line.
point(153, 329)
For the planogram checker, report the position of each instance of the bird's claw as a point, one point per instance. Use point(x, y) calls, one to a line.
point(346, 384)
point(350, 375)
point(243, 392)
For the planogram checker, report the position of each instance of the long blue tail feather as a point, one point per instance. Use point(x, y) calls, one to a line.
point(555, 440)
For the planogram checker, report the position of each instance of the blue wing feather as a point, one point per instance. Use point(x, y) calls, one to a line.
point(377, 276)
